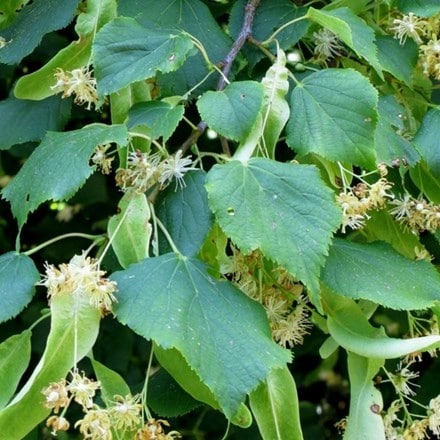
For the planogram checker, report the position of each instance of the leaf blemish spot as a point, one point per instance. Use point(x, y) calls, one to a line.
point(230, 211)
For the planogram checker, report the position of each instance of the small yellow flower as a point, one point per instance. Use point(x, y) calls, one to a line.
point(83, 389)
point(430, 57)
point(78, 82)
point(126, 412)
point(174, 167)
point(434, 416)
point(56, 395)
point(96, 425)
point(409, 26)
point(57, 424)
point(154, 430)
point(102, 160)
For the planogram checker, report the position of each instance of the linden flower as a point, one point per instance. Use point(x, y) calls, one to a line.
point(354, 210)
point(378, 194)
point(81, 276)
point(126, 413)
point(417, 430)
point(57, 424)
point(83, 389)
point(96, 425)
point(327, 44)
point(434, 416)
point(153, 430)
point(174, 167)
point(430, 57)
point(78, 82)
point(409, 26)
point(402, 379)
point(56, 395)
point(101, 160)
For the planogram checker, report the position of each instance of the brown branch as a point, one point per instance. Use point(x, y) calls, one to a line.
point(226, 64)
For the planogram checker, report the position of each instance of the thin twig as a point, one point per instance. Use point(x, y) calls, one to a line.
point(244, 34)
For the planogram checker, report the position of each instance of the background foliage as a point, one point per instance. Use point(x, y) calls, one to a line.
point(219, 219)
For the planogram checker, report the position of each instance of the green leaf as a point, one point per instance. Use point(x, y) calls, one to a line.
point(376, 272)
point(193, 17)
point(399, 60)
point(390, 145)
point(276, 408)
point(240, 103)
point(37, 85)
point(124, 52)
point(333, 114)
point(174, 301)
point(276, 110)
point(18, 276)
point(58, 167)
point(364, 419)
point(26, 121)
point(426, 141)
point(422, 8)
point(73, 331)
point(112, 384)
point(166, 397)
point(426, 182)
point(32, 23)
point(283, 209)
point(15, 354)
point(130, 229)
point(185, 214)
point(158, 117)
point(352, 30)
point(350, 328)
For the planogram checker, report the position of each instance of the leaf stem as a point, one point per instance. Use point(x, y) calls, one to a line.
point(281, 28)
point(168, 236)
point(145, 387)
point(95, 238)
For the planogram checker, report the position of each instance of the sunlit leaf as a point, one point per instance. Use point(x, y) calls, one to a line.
point(334, 115)
point(376, 272)
point(175, 302)
point(18, 276)
point(58, 167)
point(284, 210)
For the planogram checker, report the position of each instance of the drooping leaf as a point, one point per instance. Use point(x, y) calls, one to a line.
point(270, 15)
point(422, 8)
point(352, 30)
point(15, 354)
point(188, 379)
point(333, 114)
point(376, 272)
point(130, 229)
point(350, 328)
point(276, 109)
point(167, 398)
point(193, 17)
point(112, 384)
point(240, 103)
point(185, 214)
point(32, 23)
point(58, 167)
point(37, 85)
point(397, 59)
point(391, 145)
point(364, 419)
point(125, 51)
point(174, 301)
point(73, 331)
point(276, 408)
point(283, 209)
point(426, 141)
point(18, 276)
point(159, 118)
point(25, 121)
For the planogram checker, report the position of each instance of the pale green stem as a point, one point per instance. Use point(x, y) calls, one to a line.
point(95, 238)
point(145, 387)
point(148, 138)
point(188, 93)
point(280, 29)
point(168, 236)
point(42, 318)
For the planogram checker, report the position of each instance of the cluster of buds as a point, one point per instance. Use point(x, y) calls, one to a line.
point(358, 200)
point(78, 82)
point(327, 45)
point(144, 171)
point(416, 214)
point(81, 276)
point(278, 292)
